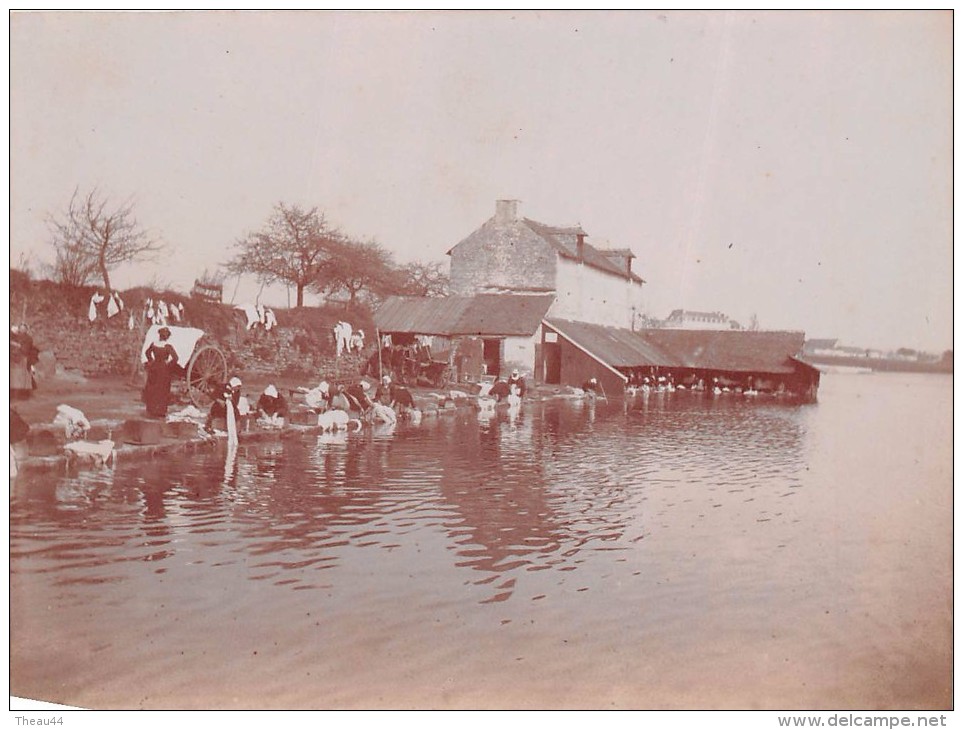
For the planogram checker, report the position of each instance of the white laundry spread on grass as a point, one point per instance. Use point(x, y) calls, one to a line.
point(250, 311)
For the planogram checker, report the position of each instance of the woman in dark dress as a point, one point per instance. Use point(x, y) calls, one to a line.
point(23, 356)
point(161, 362)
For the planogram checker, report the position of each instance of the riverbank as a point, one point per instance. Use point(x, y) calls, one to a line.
point(109, 403)
point(112, 404)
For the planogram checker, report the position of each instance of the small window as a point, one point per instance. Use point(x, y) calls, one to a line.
point(551, 336)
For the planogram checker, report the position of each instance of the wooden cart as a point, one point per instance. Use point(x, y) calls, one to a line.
point(206, 370)
point(205, 374)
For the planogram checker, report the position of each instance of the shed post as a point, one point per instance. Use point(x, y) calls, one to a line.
point(378, 345)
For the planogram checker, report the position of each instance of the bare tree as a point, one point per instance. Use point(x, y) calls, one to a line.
point(424, 279)
point(292, 247)
point(92, 237)
point(358, 268)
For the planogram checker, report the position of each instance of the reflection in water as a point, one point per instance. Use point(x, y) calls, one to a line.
point(494, 480)
point(677, 522)
point(517, 493)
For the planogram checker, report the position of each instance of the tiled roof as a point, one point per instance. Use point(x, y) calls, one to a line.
point(563, 240)
point(482, 314)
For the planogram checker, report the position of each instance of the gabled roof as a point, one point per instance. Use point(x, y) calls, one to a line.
point(497, 315)
point(563, 240)
point(727, 350)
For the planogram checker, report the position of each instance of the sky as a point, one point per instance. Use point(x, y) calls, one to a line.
point(795, 166)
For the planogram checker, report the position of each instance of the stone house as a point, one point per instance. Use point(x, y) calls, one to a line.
point(512, 254)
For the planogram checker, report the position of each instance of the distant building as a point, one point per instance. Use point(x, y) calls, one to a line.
point(820, 346)
point(686, 319)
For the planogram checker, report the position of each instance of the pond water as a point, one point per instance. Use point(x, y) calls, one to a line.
point(678, 551)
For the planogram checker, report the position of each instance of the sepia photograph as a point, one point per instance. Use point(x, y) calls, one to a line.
point(482, 360)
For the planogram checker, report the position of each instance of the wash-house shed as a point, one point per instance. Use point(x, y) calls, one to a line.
point(543, 299)
point(763, 361)
point(480, 335)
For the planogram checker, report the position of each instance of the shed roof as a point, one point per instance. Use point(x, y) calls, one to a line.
point(732, 350)
point(420, 315)
point(482, 314)
point(504, 314)
point(728, 350)
point(618, 347)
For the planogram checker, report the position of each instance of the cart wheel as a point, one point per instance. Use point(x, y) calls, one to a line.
point(206, 372)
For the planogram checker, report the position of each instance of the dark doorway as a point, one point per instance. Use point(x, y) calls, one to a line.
point(552, 358)
point(493, 357)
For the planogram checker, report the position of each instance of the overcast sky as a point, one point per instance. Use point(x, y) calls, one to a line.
point(792, 165)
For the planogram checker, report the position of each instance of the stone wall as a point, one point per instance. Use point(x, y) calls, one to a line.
point(502, 254)
point(302, 344)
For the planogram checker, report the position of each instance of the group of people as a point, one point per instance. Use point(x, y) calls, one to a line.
point(508, 390)
point(386, 404)
point(271, 407)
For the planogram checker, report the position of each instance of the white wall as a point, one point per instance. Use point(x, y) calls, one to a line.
point(520, 352)
point(587, 294)
point(690, 324)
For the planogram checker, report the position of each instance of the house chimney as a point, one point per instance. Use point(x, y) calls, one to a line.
point(580, 246)
point(506, 211)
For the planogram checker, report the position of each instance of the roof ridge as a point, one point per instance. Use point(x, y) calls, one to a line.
point(602, 264)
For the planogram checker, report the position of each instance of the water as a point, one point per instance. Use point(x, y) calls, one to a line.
point(686, 552)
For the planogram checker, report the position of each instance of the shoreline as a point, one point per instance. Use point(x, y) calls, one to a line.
point(110, 403)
